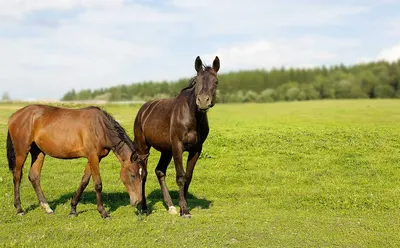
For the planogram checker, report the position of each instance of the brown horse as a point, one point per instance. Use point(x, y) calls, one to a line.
point(173, 126)
point(67, 134)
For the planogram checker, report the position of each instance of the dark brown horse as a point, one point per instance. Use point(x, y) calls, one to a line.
point(173, 126)
point(67, 134)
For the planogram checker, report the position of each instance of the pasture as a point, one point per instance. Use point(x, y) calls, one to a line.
point(318, 173)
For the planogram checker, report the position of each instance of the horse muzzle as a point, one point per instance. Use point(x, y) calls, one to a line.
point(135, 203)
point(203, 103)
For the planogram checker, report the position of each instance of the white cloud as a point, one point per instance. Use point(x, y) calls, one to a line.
point(243, 17)
point(19, 8)
point(109, 42)
point(390, 54)
point(83, 53)
point(305, 51)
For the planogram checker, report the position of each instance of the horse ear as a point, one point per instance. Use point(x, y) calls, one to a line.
point(216, 64)
point(198, 64)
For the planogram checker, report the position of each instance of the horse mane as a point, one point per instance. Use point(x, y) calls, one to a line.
point(118, 131)
point(192, 82)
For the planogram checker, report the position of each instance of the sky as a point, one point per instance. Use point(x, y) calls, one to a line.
point(49, 47)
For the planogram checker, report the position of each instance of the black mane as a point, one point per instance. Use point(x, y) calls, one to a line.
point(191, 84)
point(118, 131)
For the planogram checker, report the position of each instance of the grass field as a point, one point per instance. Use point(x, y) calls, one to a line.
point(320, 174)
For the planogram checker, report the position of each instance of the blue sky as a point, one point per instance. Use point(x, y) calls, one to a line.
point(49, 47)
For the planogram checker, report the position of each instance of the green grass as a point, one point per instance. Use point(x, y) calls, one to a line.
point(320, 174)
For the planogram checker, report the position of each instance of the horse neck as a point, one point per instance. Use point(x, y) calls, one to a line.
point(122, 151)
point(189, 97)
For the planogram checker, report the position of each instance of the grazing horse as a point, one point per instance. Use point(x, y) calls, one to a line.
point(67, 134)
point(173, 126)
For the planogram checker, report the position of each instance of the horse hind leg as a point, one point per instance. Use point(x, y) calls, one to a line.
point(16, 156)
point(34, 176)
point(17, 175)
point(161, 171)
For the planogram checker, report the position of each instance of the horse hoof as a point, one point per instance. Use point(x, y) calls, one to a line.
point(73, 215)
point(186, 216)
point(144, 212)
point(46, 208)
point(21, 213)
point(172, 210)
point(50, 213)
point(105, 215)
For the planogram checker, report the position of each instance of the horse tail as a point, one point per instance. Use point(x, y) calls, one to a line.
point(10, 152)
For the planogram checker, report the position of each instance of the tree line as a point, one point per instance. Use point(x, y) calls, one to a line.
point(379, 79)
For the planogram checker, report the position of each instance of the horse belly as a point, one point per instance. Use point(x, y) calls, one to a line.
point(60, 145)
point(157, 134)
point(160, 144)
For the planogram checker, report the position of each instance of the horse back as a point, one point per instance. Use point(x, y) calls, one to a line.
point(38, 116)
point(55, 130)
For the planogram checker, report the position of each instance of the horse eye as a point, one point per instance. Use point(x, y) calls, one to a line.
point(216, 82)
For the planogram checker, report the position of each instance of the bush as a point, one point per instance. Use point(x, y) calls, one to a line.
point(302, 96)
point(268, 95)
point(292, 94)
point(310, 92)
point(397, 94)
point(250, 96)
point(235, 97)
point(105, 96)
point(357, 92)
point(383, 91)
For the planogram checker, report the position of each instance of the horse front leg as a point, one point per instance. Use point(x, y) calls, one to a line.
point(180, 180)
point(161, 171)
point(95, 171)
point(79, 191)
point(191, 162)
point(143, 161)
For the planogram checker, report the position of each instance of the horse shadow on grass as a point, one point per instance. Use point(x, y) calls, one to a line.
point(112, 201)
point(192, 201)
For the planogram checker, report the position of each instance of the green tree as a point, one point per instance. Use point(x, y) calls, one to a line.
point(70, 96)
point(116, 94)
point(369, 80)
point(343, 89)
point(84, 95)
